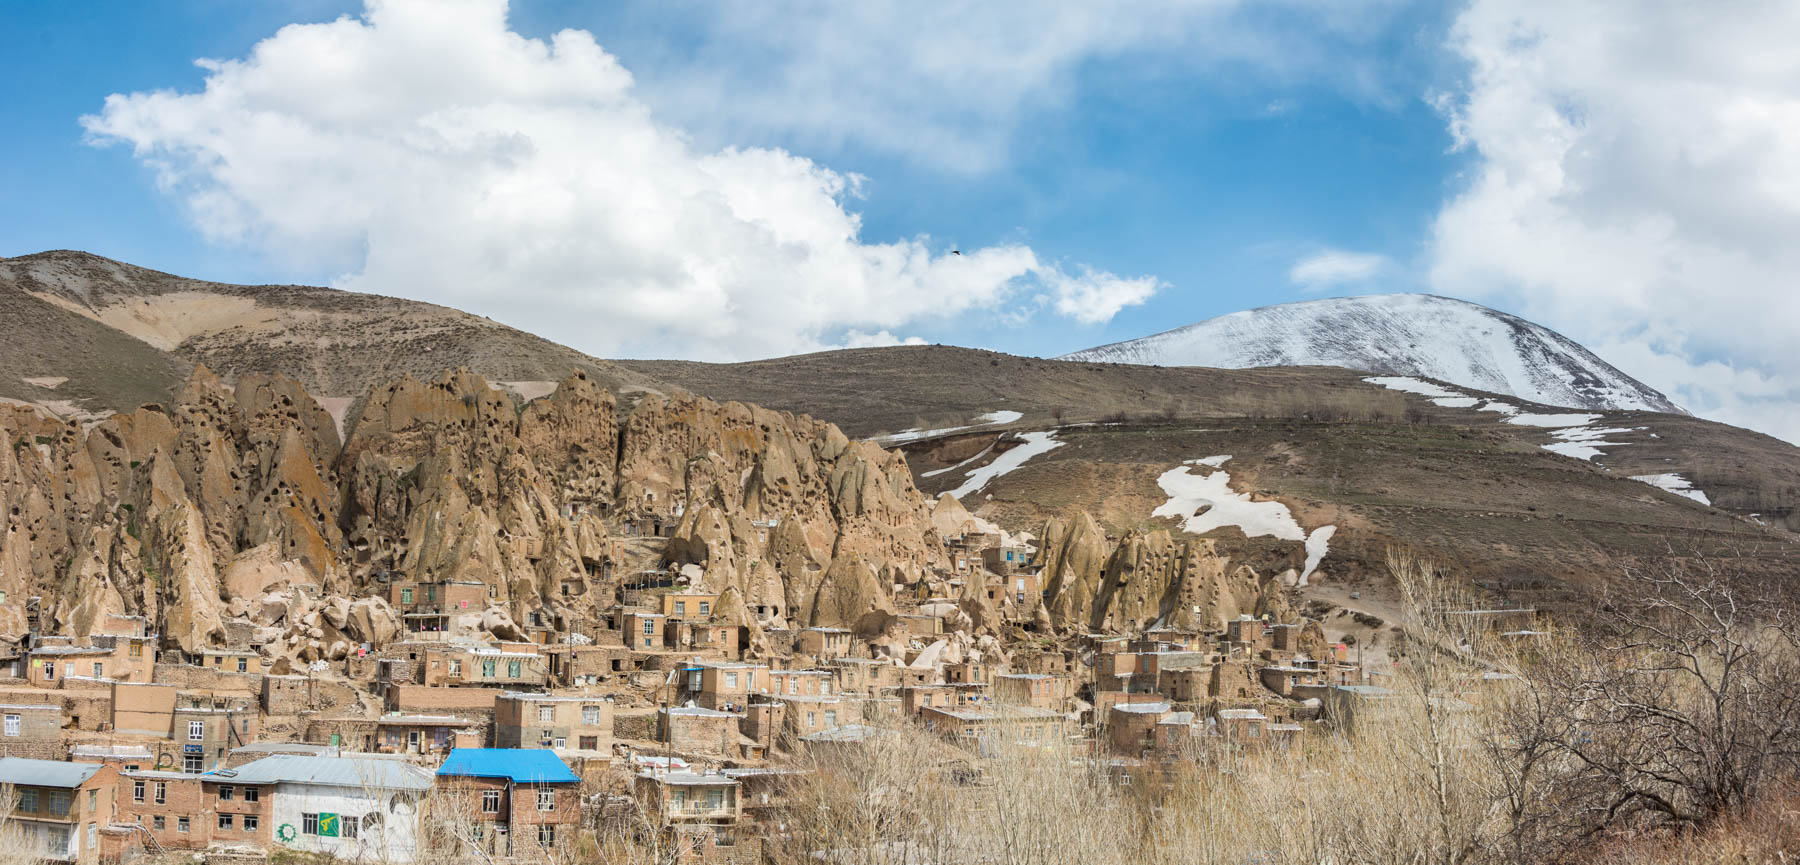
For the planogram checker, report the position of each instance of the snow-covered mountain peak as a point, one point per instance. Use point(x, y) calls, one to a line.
point(1399, 334)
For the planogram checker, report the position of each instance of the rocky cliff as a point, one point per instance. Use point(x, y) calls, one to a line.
point(239, 510)
point(239, 504)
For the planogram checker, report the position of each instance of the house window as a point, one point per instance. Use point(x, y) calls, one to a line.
point(649, 627)
point(590, 743)
point(730, 680)
point(547, 834)
point(196, 730)
point(812, 718)
point(309, 824)
point(350, 827)
point(93, 801)
point(162, 792)
point(512, 669)
point(190, 763)
point(705, 607)
point(681, 608)
point(487, 667)
point(159, 823)
point(406, 596)
point(137, 790)
point(793, 686)
point(59, 803)
point(250, 822)
point(243, 665)
point(490, 801)
point(50, 670)
point(455, 668)
point(562, 742)
point(831, 719)
point(715, 800)
point(226, 792)
point(546, 714)
point(28, 801)
point(546, 800)
point(181, 824)
point(590, 715)
point(227, 821)
point(99, 671)
point(12, 725)
point(544, 739)
point(252, 794)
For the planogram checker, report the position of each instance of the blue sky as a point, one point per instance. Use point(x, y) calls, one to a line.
point(719, 180)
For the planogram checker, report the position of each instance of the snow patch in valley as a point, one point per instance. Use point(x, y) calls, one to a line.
point(1673, 482)
point(995, 417)
point(1033, 444)
point(935, 472)
point(1204, 502)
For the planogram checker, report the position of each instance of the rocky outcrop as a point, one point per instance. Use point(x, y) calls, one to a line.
point(1147, 579)
point(240, 502)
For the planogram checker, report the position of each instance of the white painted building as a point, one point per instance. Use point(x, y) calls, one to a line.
point(353, 808)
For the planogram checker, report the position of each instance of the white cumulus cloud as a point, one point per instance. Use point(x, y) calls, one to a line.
point(1636, 184)
point(426, 150)
point(1336, 267)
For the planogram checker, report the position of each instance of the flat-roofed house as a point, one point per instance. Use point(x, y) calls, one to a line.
point(573, 726)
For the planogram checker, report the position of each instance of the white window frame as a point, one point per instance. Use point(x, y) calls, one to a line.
point(196, 731)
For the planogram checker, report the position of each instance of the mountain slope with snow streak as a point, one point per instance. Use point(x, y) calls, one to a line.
point(1399, 334)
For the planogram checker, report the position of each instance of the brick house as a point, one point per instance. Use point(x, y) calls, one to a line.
point(571, 726)
point(61, 807)
point(717, 685)
point(1131, 727)
point(31, 731)
point(400, 733)
point(524, 803)
point(693, 730)
point(809, 715)
point(981, 729)
point(822, 643)
point(119, 659)
point(166, 806)
point(1032, 689)
point(699, 815)
point(428, 606)
point(688, 607)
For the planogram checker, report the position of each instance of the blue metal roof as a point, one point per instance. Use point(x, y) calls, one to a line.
point(522, 765)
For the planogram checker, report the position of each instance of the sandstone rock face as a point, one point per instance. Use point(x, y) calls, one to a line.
point(1147, 579)
point(240, 502)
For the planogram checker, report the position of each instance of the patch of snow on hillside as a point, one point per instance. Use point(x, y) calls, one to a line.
point(912, 435)
point(1552, 420)
point(1576, 436)
point(1317, 545)
point(1584, 442)
point(1439, 395)
point(1675, 483)
point(1034, 443)
point(1204, 502)
point(935, 472)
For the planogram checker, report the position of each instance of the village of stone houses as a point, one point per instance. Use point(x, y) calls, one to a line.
point(551, 632)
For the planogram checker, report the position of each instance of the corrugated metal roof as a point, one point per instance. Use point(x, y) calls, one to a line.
point(522, 765)
point(370, 772)
point(45, 773)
